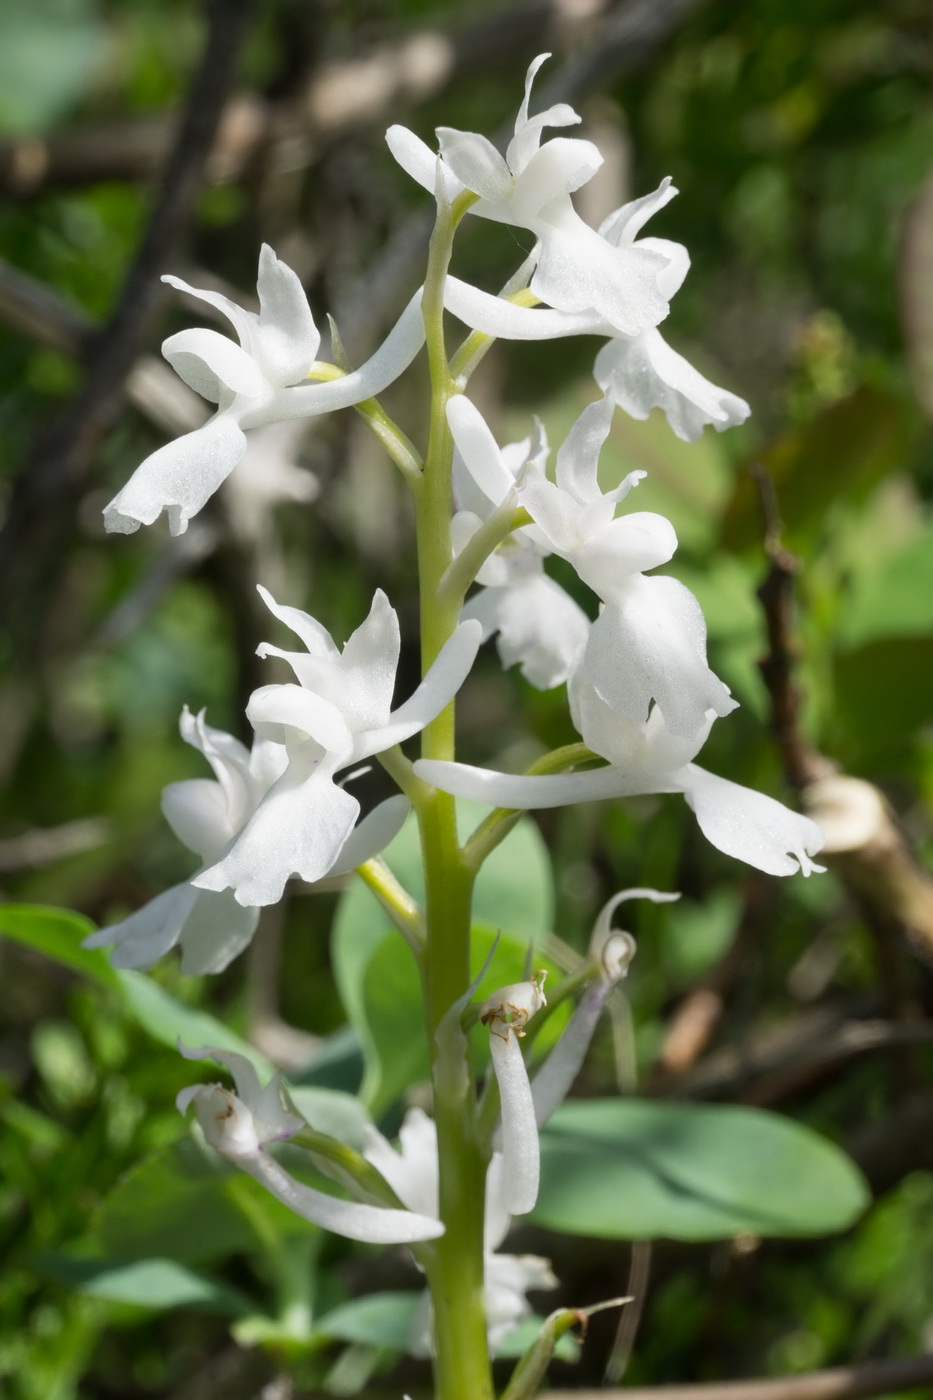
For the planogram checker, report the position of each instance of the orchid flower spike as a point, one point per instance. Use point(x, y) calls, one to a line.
point(577, 269)
point(506, 1013)
point(210, 926)
point(242, 1125)
point(643, 758)
point(637, 372)
point(338, 714)
point(254, 382)
point(539, 626)
point(412, 1172)
point(610, 954)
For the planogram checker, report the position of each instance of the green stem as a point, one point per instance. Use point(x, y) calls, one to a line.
point(395, 900)
point(478, 343)
point(496, 827)
point(461, 572)
point(396, 443)
point(455, 1272)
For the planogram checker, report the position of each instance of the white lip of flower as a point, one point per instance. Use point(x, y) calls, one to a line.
point(577, 268)
point(638, 372)
point(412, 1173)
point(539, 625)
point(506, 1013)
point(255, 382)
point(205, 815)
point(241, 1125)
point(339, 714)
point(655, 624)
point(610, 954)
point(647, 758)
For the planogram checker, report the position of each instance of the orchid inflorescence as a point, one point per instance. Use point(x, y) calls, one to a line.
point(641, 693)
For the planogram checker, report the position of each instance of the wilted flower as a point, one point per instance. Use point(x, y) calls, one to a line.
point(242, 1125)
point(506, 1013)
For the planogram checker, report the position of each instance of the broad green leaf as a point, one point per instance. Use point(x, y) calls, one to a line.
point(148, 1283)
point(186, 1203)
point(49, 51)
point(633, 1169)
point(893, 601)
point(57, 934)
point(882, 697)
point(169, 1020)
point(380, 1320)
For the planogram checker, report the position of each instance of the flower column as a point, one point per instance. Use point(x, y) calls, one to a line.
point(456, 1273)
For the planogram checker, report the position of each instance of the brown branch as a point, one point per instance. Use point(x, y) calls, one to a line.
point(838, 1383)
point(46, 493)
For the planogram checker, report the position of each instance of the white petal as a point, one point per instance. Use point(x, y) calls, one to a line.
point(475, 162)
point(751, 826)
point(368, 666)
point(670, 278)
point(232, 766)
point(539, 625)
point(440, 685)
point(555, 512)
point(650, 644)
point(211, 363)
point(521, 1157)
point(579, 271)
point(613, 949)
point(578, 456)
point(394, 355)
point(526, 792)
point(555, 1078)
point(644, 748)
point(498, 1219)
point(288, 337)
point(419, 161)
point(624, 224)
point(629, 545)
point(216, 931)
point(496, 316)
point(179, 478)
point(646, 373)
point(283, 712)
point(478, 449)
point(372, 1224)
point(299, 828)
point(197, 812)
point(146, 936)
point(242, 321)
point(411, 1172)
point(372, 834)
point(554, 171)
point(314, 635)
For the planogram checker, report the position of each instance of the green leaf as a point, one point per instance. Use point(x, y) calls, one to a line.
point(632, 1169)
point(333, 1112)
point(49, 52)
point(895, 600)
point(57, 934)
point(882, 697)
point(186, 1203)
point(381, 1320)
point(148, 1283)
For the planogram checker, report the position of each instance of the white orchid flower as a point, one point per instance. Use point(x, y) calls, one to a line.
point(637, 372)
point(577, 269)
point(648, 758)
point(506, 1013)
point(610, 955)
point(649, 642)
point(338, 714)
point(255, 382)
point(206, 815)
point(412, 1172)
point(242, 1125)
point(539, 625)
